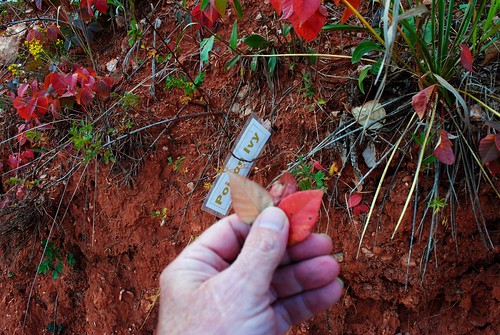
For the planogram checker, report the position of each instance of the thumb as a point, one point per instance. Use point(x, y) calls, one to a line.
point(264, 247)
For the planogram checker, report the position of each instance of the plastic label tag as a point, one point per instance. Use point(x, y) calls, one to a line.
point(248, 147)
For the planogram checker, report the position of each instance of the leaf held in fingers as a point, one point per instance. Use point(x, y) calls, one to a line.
point(443, 151)
point(421, 100)
point(302, 210)
point(249, 198)
point(283, 187)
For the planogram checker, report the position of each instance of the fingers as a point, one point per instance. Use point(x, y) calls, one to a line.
point(301, 307)
point(219, 245)
point(263, 249)
point(305, 276)
point(313, 246)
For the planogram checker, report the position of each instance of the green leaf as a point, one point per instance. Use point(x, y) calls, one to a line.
point(220, 6)
point(343, 27)
point(253, 64)
point(238, 8)
point(57, 270)
point(70, 259)
point(256, 41)
point(232, 62)
point(286, 29)
point(43, 267)
point(204, 4)
point(271, 63)
point(233, 41)
point(200, 78)
point(206, 46)
point(363, 48)
point(362, 77)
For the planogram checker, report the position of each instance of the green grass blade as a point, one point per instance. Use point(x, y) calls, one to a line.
point(419, 165)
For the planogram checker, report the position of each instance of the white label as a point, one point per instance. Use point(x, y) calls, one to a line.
point(248, 147)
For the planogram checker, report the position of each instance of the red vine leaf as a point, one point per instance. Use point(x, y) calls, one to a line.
point(360, 209)
point(422, 99)
point(283, 187)
point(101, 6)
point(443, 151)
point(302, 210)
point(249, 198)
point(354, 200)
point(488, 149)
point(207, 17)
point(312, 26)
point(466, 58)
point(305, 9)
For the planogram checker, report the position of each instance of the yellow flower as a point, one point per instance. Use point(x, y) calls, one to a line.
point(35, 48)
point(15, 69)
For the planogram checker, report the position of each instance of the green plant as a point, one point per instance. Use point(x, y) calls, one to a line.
point(83, 139)
point(437, 204)
point(436, 46)
point(176, 164)
point(180, 81)
point(307, 176)
point(162, 214)
point(130, 100)
point(308, 88)
point(54, 260)
point(134, 33)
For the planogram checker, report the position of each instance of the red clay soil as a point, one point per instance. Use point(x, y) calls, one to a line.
point(120, 248)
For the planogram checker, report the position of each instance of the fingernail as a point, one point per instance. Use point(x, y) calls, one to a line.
point(340, 282)
point(272, 218)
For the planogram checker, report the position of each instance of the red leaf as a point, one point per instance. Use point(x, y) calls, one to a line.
point(348, 12)
point(38, 4)
point(422, 99)
point(207, 17)
point(443, 151)
point(277, 5)
point(52, 33)
point(302, 210)
point(310, 28)
point(84, 96)
point(466, 58)
point(488, 149)
point(360, 209)
point(249, 198)
point(287, 9)
point(14, 161)
point(354, 200)
point(283, 187)
point(103, 87)
point(318, 166)
point(305, 9)
point(494, 166)
point(101, 6)
point(497, 141)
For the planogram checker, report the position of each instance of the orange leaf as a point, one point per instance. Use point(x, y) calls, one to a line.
point(302, 210)
point(348, 12)
point(283, 187)
point(249, 198)
point(443, 151)
point(421, 100)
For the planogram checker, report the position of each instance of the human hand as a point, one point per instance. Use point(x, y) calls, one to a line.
point(241, 279)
